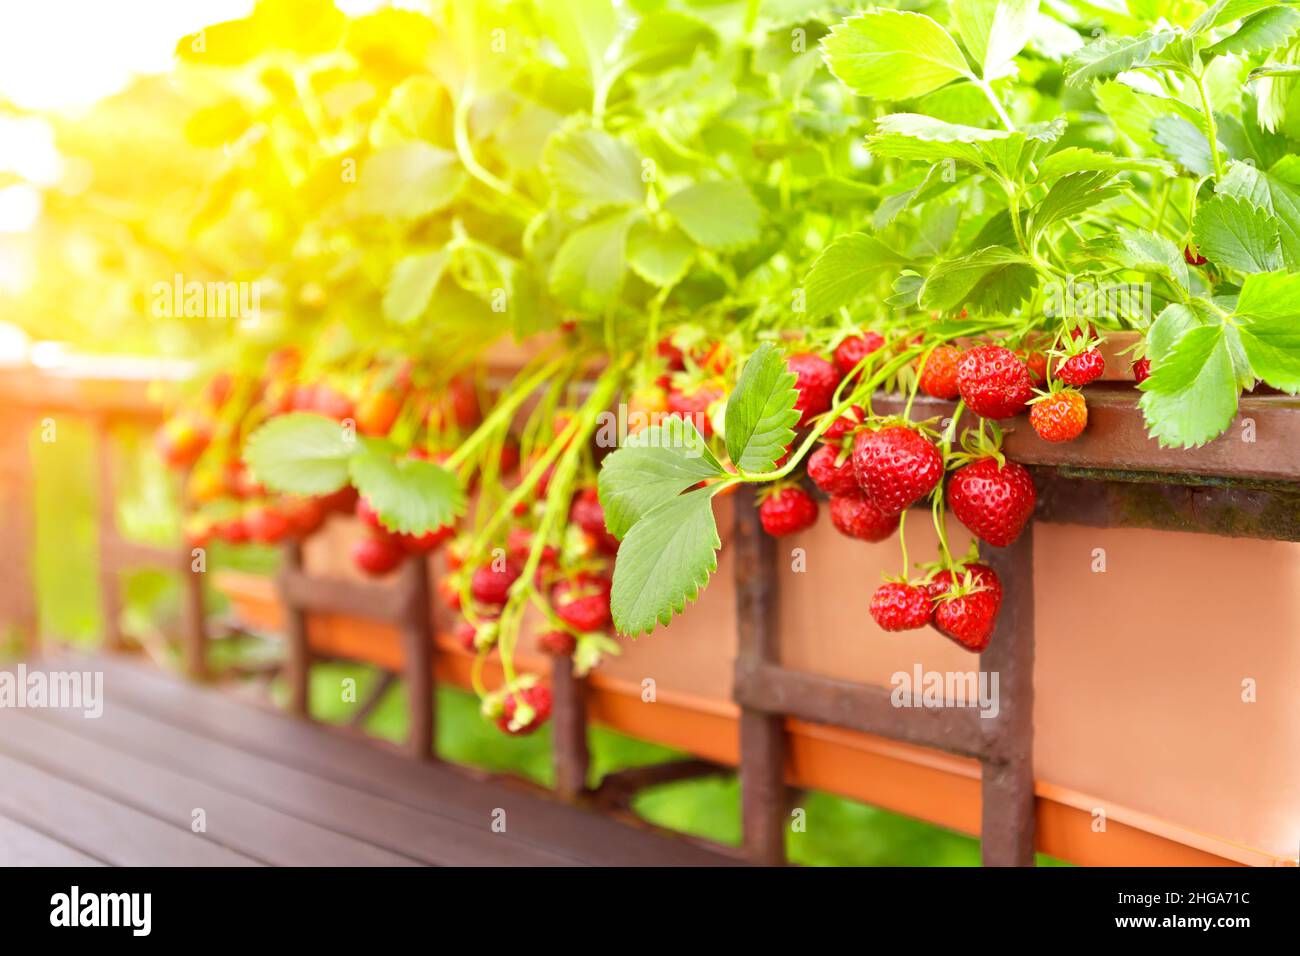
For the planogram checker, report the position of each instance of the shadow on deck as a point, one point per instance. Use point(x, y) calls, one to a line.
point(131, 787)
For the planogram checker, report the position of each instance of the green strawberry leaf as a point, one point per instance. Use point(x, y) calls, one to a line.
point(591, 169)
point(660, 256)
point(718, 215)
point(994, 31)
point(1185, 143)
point(410, 495)
point(844, 270)
point(664, 561)
point(412, 284)
point(1225, 11)
point(916, 136)
point(654, 466)
point(1191, 396)
point(1266, 30)
point(1266, 316)
point(1149, 252)
point(408, 181)
point(590, 265)
point(893, 55)
point(301, 453)
point(760, 411)
point(1110, 56)
point(584, 30)
point(1235, 234)
point(1072, 194)
point(1078, 159)
point(1276, 190)
point(993, 279)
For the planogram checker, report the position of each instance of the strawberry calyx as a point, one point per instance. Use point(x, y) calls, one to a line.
point(964, 582)
point(978, 443)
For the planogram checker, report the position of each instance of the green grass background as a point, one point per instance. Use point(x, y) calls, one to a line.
point(837, 831)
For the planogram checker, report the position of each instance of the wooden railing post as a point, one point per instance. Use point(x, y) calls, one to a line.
point(17, 509)
point(297, 665)
point(762, 733)
point(569, 729)
point(1007, 788)
point(417, 652)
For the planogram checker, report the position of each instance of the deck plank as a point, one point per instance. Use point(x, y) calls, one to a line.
point(99, 826)
point(422, 836)
point(593, 839)
point(20, 845)
point(230, 819)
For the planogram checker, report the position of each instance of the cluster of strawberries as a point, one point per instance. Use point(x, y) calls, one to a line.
point(575, 578)
point(872, 471)
point(224, 502)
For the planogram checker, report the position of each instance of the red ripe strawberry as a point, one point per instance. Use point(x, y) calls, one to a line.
point(1036, 362)
point(815, 380)
point(344, 501)
point(491, 583)
point(993, 382)
point(376, 412)
point(265, 524)
point(831, 475)
point(856, 516)
point(376, 556)
point(1141, 370)
point(582, 602)
point(671, 354)
point(198, 530)
point(220, 389)
point(305, 515)
point(994, 503)
point(939, 373)
point(536, 697)
point(449, 591)
point(1061, 416)
point(588, 514)
point(787, 510)
point(520, 544)
point(844, 424)
point(900, 607)
point(427, 542)
point(459, 403)
point(714, 358)
point(180, 442)
point(557, 643)
point(968, 619)
point(332, 403)
point(465, 633)
point(1192, 256)
point(1081, 369)
point(693, 405)
point(982, 574)
point(854, 349)
point(368, 515)
point(896, 467)
point(232, 530)
point(471, 637)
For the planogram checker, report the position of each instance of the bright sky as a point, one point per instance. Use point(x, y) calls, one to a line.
point(66, 54)
point(59, 54)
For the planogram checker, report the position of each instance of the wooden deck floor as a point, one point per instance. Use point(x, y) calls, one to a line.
point(126, 788)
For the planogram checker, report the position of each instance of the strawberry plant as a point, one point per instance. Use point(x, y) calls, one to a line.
point(715, 233)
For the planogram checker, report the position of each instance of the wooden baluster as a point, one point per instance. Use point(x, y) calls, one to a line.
point(417, 650)
point(297, 664)
point(1007, 789)
point(569, 729)
point(762, 734)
